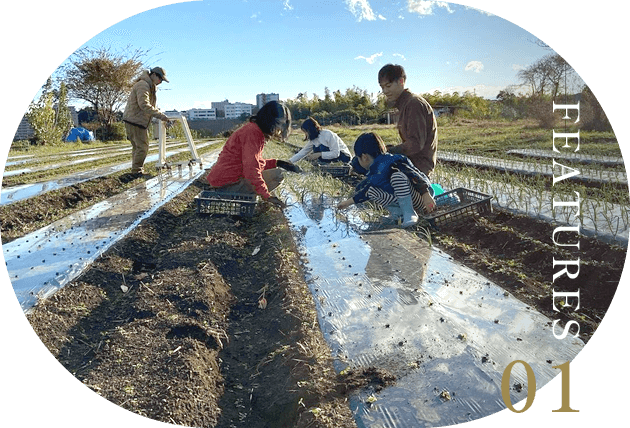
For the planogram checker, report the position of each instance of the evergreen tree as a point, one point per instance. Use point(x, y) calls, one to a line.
point(42, 117)
point(64, 118)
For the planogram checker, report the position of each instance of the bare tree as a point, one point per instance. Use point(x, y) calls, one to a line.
point(536, 76)
point(547, 75)
point(103, 78)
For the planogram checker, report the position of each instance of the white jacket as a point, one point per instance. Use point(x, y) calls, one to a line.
point(328, 139)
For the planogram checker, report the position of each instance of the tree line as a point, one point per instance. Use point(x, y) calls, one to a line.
point(103, 79)
point(508, 104)
point(548, 79)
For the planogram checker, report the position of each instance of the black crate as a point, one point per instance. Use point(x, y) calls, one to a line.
point(229, 203)
point(335, 170)
point(458, 204)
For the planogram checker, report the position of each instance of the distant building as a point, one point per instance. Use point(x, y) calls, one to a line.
point(234, 111)
point(202, 114)
point(262, 99)
point(75, 115)
point(174, 113)
point(219, 106)
point(24, 131)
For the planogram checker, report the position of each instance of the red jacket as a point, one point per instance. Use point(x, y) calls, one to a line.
point(241, 157)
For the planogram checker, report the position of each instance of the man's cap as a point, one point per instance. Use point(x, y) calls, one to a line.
point(160, 72)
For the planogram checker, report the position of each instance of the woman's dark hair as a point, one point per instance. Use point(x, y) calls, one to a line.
point(369, 143)
point(272, 117)
point(312, 128)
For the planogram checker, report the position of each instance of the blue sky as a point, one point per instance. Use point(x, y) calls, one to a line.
point(234, 50)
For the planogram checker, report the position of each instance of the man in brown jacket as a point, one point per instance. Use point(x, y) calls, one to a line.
point(417, 126)
point(139, 112)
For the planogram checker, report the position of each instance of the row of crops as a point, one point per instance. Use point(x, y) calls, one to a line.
point(519, 180)
point(513, 162)
point(603, 208)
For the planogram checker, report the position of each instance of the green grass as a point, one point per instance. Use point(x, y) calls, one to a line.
point(488, 137)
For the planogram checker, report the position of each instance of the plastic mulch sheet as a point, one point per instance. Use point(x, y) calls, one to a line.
point(387, 299)
point(45, 260)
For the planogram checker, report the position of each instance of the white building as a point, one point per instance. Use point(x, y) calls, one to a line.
point(262, 99)
point(174, 113)
point(219, 105)
point(235, 110)
point(202, 113)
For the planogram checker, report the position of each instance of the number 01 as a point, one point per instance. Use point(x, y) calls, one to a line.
point(531, 387)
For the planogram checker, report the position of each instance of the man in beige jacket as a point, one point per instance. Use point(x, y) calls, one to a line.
point(139, 112)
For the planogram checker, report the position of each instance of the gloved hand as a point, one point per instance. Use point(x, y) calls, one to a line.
point(288, 166)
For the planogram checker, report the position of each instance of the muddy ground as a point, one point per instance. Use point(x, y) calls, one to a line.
point(207, 321)
point(170, 323)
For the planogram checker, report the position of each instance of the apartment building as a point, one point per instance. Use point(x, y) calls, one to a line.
point(24, 131)
point(219, 106)
point(201, 114)
point(235, 110)
point(262, 99)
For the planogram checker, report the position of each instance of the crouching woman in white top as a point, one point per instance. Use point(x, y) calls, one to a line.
point(322, 145)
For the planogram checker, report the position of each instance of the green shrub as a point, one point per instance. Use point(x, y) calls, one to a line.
point(114, 132)
point(592, 114)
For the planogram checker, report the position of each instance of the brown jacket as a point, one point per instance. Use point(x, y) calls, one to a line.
point(141, 102)
point(418, 131)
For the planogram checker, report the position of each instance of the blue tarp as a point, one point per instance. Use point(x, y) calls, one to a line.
point(80, 133)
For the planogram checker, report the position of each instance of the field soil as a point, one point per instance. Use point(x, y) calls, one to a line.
point(517, 252)
point(199, 321)
point(207, 321)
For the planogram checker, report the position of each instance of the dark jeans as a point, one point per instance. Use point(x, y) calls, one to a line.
point(341, 158)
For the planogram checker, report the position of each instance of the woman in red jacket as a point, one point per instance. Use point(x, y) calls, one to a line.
point(241, 168)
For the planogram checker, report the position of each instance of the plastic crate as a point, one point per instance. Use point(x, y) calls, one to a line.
point(336, 170)
point(229, 203)
point(456, 205)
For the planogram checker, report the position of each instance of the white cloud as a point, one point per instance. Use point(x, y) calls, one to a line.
point(287, 5)
point(202, 104)
point(475, 66)
point(361, 9)
point(424, 7)
point(371, 59)
point(400, 56)
point(517, 67)
point(479, 10)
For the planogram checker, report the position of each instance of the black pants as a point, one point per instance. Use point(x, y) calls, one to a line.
point(343, 157)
